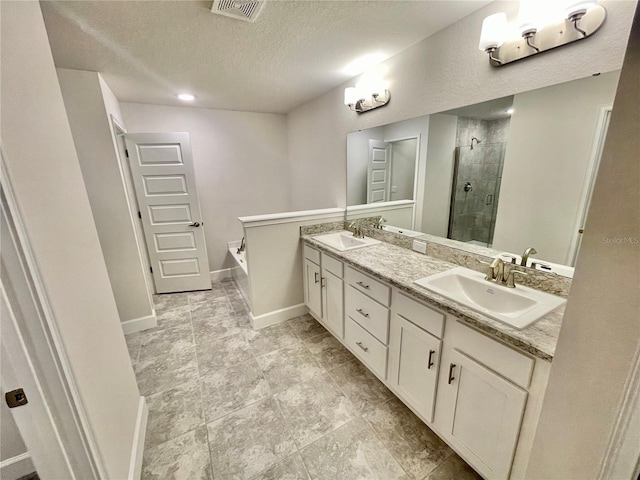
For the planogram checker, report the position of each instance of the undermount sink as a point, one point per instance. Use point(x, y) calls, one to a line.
point(344, 241)
point(517, 307)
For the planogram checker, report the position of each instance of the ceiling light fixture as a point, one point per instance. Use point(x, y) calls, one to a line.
point(186, 97)
point(543, 25)
point(369, 93)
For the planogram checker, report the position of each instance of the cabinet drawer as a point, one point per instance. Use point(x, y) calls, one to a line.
point(419, 314)
point(312, 254)
point(332, 265)
point(367, 285)
point(372, 316)
point(504, 360)
point(366, 347)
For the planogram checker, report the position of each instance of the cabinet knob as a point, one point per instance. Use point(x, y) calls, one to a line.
point(430, 362)
point(451, 377)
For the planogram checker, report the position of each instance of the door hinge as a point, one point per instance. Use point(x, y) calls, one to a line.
point(139, 215)
point(151, 269)
point(16, 398)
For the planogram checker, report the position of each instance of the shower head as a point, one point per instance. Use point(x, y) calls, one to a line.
point(477, 141)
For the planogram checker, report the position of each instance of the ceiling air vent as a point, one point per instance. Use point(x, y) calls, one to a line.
point(247, 10)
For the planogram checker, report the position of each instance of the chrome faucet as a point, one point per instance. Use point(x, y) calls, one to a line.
point(496, 272)
point(525, 255)
point(379, 222)
point(357, 230)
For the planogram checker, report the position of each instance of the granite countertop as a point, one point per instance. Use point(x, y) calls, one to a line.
point(400, 267)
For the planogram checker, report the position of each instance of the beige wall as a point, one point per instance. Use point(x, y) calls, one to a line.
point(274, 256)
point(551, 137)
point(240, 161)
point(442, 72)
point(89, 110)
point(45, 174)
point(440, 159)
point(601, 328)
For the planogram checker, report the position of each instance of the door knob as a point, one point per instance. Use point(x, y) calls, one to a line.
point(194, 224)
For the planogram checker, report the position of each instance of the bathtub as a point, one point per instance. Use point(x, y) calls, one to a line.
point(240, 271)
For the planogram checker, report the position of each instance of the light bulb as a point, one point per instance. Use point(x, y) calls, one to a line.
point(493, 32)
point(350, 95)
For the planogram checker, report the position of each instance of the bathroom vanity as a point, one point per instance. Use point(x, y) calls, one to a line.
point(476, 382)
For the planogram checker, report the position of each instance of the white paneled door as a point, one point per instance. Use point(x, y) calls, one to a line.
point(379, 171)
point(163, 174)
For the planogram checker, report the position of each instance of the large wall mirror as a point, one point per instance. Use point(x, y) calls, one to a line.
point(507, 174)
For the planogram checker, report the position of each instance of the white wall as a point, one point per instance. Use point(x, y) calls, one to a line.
point(440, 160)
point(89, 104)
point(274, 256)
point(546, 163)
point(403, 169)
point(43, 168)
point(240, 162)
point(600, 331)
point(442, 72)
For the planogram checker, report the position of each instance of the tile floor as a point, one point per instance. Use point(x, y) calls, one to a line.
point(285, 402)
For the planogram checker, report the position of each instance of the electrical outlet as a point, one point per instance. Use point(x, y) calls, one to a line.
point(419, 246)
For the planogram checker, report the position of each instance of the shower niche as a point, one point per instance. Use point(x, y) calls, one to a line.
point(477, 175)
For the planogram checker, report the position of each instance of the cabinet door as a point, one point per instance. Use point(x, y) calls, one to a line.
point(312, 288)
point(415, 360)
point(333, 303)
point(484, 422)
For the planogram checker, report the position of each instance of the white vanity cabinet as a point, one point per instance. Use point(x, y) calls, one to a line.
point(481, 398)
point(414, 348)
point(367, 320)
point(323, 289)
point(480, 395)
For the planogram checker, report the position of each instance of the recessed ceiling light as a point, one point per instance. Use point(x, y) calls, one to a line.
point(186, 97)
point(363, 63)
point(510, 111)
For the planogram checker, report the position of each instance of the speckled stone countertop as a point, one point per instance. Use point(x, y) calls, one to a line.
point(400, 267)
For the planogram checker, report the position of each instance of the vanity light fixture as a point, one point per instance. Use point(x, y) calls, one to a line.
point(542, 25)
point(368, 94)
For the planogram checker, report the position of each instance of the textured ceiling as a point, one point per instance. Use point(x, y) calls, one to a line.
point(148, 51)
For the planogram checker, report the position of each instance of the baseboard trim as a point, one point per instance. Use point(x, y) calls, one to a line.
point(137, 448)
point(277, 316)
point(218, 275)
point(138, 324)
point(16, 467)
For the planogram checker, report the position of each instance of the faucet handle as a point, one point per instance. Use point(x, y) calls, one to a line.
point(511, 279)
point(491, 270)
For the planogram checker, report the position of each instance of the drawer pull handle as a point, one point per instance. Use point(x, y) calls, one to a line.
point(430, 363)
point(366, 349)
point(451, 377)
point(361, 312)
point(323, 282)
point(315, 276)
point(362, 285)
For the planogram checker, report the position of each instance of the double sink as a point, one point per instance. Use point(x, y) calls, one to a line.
point(517, 307)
